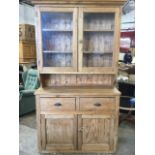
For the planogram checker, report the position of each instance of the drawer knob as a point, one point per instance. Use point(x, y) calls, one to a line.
point(58, 104)
point(97, 104)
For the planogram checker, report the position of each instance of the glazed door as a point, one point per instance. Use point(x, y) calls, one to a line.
point(98, 39)
point(57, 43)
point(58, 132)
point(95, 133)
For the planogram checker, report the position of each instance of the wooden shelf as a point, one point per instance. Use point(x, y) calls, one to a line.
point(93, 30)
point(60, 52)
point(99, 52)
point(56, 30)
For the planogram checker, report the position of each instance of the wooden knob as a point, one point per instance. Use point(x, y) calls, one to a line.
point(81, 129)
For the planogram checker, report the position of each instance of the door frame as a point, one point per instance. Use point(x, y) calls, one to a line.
point(112, 69)
point(41, 68)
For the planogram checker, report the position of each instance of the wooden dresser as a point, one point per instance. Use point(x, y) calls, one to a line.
point(77, 52)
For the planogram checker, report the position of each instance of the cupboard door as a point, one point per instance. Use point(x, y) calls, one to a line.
point(58, 132)
point(98, 39)
point(95, 133)
point(57, 28)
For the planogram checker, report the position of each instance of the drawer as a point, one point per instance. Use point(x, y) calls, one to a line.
point(57, 104)
point(97, 104)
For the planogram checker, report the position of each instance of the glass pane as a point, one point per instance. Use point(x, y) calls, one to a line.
point(56, 21)
point(98, 39)
point(99, 21)
point(57, 39)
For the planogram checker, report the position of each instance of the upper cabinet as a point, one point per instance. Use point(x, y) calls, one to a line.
point(58, 39)
point(78, 40)
point(98, 46)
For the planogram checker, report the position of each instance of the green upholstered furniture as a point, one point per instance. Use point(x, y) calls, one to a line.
point(26, 92)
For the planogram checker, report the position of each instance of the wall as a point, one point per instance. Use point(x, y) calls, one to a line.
point(128, 20)
point(26, 14)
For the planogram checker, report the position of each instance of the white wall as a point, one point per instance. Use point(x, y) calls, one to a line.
point(128, 20)
point(26, 14)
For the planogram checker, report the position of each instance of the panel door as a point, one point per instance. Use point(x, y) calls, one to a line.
point(96, 133)
point(57, 43)
point(58, 132)
point(98, 39)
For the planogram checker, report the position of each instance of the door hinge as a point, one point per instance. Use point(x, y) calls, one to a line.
point(38, 62)
point(36, 13)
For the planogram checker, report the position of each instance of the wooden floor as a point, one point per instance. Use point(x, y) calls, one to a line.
point(28, 138)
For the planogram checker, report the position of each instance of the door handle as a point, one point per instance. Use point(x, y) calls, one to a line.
point(58, 104)
point(97, 104)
